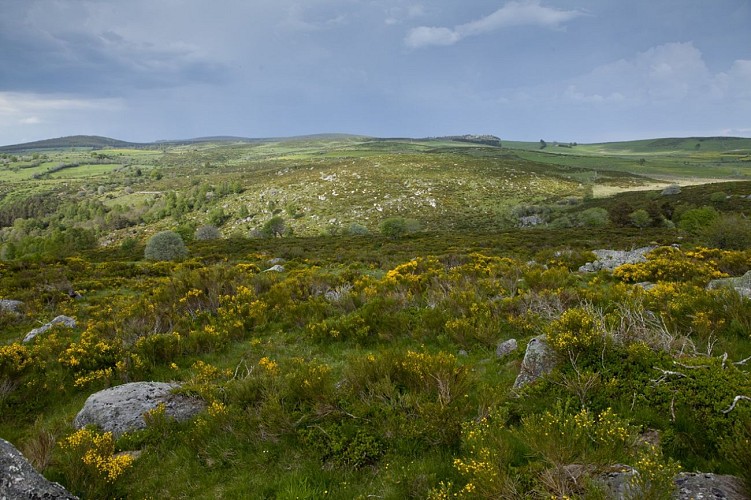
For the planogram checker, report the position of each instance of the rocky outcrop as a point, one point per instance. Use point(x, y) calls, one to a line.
point(671, 190)
point(741, 284)
point(60, 320)
point(120, 409)
point(539, 360)
point(276, 268)
point(607, 260)
point(19, 480)
point(11, 306)
point(505, 348)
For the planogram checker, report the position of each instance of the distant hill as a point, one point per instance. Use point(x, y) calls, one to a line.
point(73, 141)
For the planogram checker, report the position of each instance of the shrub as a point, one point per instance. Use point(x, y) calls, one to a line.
point(207, 232)
point(728, 231)
point(166, 245)
point(594, 217)
point(694, 220)
point(394, 227)
point(356, 229)
point(640, 218)
point(274, 227)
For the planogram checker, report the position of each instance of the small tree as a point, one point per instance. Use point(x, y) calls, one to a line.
point(166, 245)
point(274, 227)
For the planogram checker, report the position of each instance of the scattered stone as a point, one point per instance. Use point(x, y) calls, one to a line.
point(671, 190)
point(741, 284)
point(539, 360)
point(18, 479)
point(120, 409)
point(276, 260)
point(608, 260)
point(505, 348)
point(462, 352)
point(59, 320)
point(276, 268)
point(11, 306)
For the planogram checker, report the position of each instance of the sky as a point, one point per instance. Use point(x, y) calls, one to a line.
point(559, 70)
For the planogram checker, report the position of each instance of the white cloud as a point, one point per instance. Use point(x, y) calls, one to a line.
point(515, 13)
point(31, 110)
point(666, 73)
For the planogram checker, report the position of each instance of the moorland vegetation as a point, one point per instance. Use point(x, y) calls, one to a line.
point(364, 364)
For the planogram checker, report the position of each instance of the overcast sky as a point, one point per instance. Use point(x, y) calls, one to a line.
point(566, 70)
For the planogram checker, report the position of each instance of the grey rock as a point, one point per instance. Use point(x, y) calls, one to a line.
point(59, 320)
point(741, 284)
point(505, 348)
point(689, 485)
point(617, 482)
point(120, 409)
point(19, 480)
point(12, 306)
point(699, 485)
point(539, 360)
point(530, 221)
point(276, 268)
point(608, 260)
point(671, 190)
point(275, 261)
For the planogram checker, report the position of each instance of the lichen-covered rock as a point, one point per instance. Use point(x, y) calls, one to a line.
point(618, 483)
point(120, 409)
point(276, 268)
point(699, 485)
point(59, 320)
point(607, 260)
point(741, 284)
point(505, 348)
point(19, 480)
point(539, 360)
point(11, 306)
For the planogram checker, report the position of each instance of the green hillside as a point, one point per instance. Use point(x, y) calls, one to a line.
point(340, 312)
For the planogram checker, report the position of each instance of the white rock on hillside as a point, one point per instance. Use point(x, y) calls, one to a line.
point(63, 320)
point(18, 479)
point(120, 409)
point(608, 260)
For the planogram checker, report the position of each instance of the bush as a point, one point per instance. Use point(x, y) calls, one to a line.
point(695, 220)
point(640, 218)
point(167, 245)
point(207, 232)
point(729, 231)
point(394, 227)
point(594, 217)
point(356, 229)
point(274, 227)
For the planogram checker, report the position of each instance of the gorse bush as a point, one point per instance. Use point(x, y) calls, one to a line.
point(166, 245)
